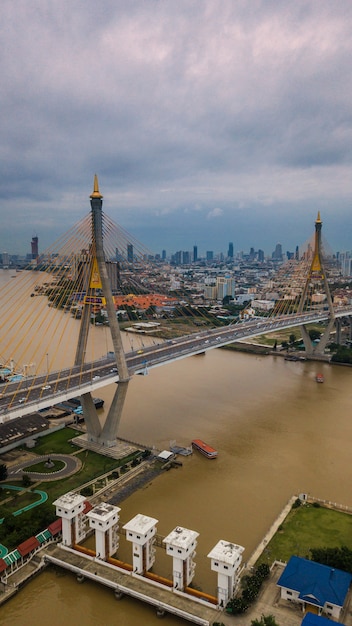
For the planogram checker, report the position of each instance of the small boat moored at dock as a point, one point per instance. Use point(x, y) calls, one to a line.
point(204, 448)
point(183, 450)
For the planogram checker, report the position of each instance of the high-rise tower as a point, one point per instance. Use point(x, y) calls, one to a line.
point(34, 247)
point(130, 257)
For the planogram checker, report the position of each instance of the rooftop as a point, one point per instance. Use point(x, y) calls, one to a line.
point(226, 552)
point(316, 583)
point(140, 524)
point(69, 500)
point(181, 537)
point(103, 511)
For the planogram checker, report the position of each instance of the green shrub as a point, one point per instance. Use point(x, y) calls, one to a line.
point(26, 481)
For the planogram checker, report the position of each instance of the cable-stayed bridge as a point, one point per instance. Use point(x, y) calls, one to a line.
point(57, 387)
point(46, 320)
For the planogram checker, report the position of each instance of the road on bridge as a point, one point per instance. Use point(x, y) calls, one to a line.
point(33, 394)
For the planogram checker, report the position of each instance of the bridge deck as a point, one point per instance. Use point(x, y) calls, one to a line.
point(162, 598)
point(36, 393)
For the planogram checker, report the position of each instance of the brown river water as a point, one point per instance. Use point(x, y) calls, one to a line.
point(278, 433)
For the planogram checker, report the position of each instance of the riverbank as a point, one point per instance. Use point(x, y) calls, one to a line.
point(259, 349)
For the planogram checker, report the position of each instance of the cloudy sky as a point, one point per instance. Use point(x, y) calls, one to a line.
point(207, 121)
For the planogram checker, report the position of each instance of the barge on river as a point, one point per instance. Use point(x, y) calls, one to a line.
point(204, 448)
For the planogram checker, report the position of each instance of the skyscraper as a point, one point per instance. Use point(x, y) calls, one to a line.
point(130, 253)
point(113, 270)
point(277, 254)
point(185, 257)
point(230, 250)
point(5, 260)
point(195, 254)
point(34, 247)
point(178, 257)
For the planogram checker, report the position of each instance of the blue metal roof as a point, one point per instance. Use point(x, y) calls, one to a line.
point(310, 619)
point(315, 583)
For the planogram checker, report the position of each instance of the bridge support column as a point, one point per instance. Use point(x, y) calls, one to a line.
point(91, 418)
point(325, 337)
point(308, 344)
point(97, 278)
point(338, 331)
point(318, 349)
point(109, 433)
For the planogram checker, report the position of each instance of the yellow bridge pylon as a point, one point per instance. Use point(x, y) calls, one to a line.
point(97, 278)
point(316, 293)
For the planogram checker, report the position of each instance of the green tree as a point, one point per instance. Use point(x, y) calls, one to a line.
point(338, 558)
point(292, 339)
point(343, 355)
point(314, 334)
point(3, 471)
point(26, 481)
point(265, 620)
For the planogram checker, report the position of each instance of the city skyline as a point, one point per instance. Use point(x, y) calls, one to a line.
point(184, 256)
point(205, 122)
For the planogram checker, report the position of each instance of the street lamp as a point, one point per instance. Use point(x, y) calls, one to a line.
point(47, 364)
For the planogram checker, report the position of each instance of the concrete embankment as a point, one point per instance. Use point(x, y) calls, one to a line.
point(271, 532)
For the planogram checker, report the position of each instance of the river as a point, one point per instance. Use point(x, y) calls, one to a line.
point(277, 431)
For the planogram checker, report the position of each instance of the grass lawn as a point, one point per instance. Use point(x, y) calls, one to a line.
point(93, 465)
point(284, 335)
point(309, 527)
point(58, 442)
point(16, 501)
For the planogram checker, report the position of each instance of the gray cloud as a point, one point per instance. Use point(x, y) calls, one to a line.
point(182, 108)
